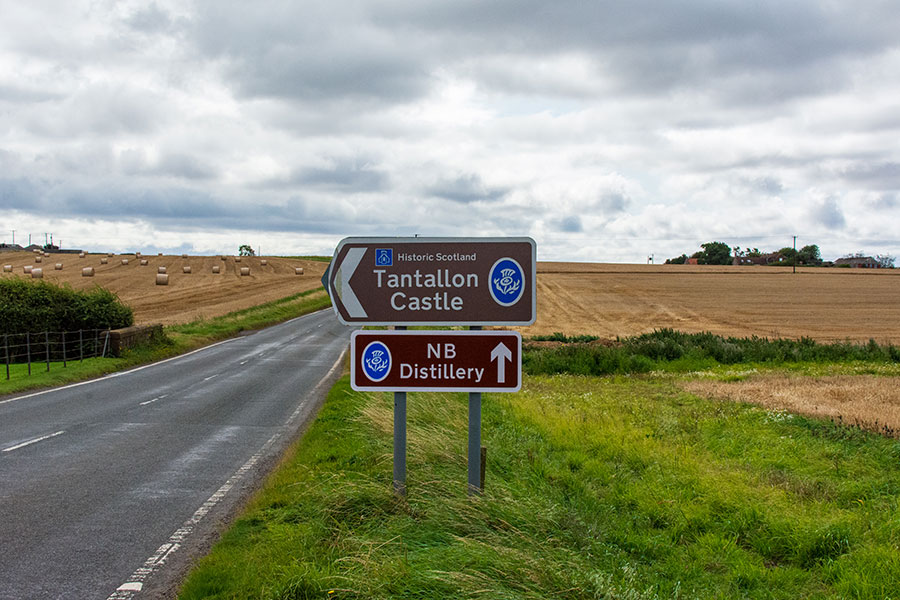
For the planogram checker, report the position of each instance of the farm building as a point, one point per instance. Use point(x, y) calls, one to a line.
point(858, 262)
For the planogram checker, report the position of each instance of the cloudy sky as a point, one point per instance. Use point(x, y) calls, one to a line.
point(607, 131)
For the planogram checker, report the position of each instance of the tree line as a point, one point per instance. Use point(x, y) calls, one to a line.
point(720, 253)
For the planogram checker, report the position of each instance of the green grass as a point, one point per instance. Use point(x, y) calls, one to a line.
point(597, 487)
point(674, 351)
point(177, 339)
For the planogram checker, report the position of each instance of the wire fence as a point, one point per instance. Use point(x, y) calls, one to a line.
point(49, 347)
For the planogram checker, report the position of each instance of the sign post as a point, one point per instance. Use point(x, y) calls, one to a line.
point(471, 282)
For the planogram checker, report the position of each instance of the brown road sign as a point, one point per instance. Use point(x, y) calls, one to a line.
point(436, 361)
point(434, 281)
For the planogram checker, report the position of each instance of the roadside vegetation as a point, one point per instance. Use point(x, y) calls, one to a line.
point(596, 487)
point(36, 306)
point(674, 351)
point(176, 339)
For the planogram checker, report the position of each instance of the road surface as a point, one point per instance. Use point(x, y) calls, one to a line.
point(109, 488)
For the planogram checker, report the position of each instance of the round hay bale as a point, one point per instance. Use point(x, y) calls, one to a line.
point(37, 273)
point(160, 269)
point(7, 268)
point(87, 272)
point(245, 271)
point(46, 253)
point(35, 250)
point(124, 261)
point(237, 259)
point(38, 258)
point(81, 255)
point(27, 269)
point(104, 261)
point(159, 253)
point(223, 257)
point(57, 267)
point(110, 254)
point(144, 262)
point(184, 256)
point(298, 270)
point(137, 254)
point(162, 279)
point(217, 269)
point(186, 269)
point(263, 262)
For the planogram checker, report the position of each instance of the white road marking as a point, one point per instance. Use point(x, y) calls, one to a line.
point(135, 583)
point(34, 441)
point(245, 362)
point(154, 400)
point(211, 377)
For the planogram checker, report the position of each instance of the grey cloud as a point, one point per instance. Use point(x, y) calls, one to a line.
point(614, 202)
point(150, 19)
point(344, 174)
point(465, 189)
point(570, 224)
point(880, 176)
point(311, 53)
point(829, 214)
point(99, 110)
point(185, 166)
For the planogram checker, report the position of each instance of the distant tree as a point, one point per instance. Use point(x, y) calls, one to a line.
point(715, 253)
point(809, 255)
point(246, 250)
point(755, 253)
point(678, 260)
point(789, 256)
point(885, 261)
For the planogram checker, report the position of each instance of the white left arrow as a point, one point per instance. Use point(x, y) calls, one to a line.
point(342, 282)
point(501, 354)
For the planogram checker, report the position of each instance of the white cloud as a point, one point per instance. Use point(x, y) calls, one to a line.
point(607, 131)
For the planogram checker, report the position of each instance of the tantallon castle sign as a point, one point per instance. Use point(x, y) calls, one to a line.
point(434, 281)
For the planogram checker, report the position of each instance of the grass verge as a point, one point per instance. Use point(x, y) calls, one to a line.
point(597, 487)
point(177, 339)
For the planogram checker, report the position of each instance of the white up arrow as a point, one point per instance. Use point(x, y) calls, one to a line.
point(501, 354)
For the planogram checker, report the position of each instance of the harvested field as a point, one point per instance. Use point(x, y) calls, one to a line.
point(607, 300)
point(869, 402)
point(201, 294)
point(622, 300)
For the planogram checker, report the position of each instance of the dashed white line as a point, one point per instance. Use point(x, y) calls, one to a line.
point(154, 400)
point(34, 441)
point(211, 377)
point(245, 362)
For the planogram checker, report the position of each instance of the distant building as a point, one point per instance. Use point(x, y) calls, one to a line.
point(858, 262)
point(773, 258)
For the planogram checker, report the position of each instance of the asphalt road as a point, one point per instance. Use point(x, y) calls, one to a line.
point(108, 489)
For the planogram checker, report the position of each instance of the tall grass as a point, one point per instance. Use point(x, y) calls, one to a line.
point(596, 488)
point(674, 350)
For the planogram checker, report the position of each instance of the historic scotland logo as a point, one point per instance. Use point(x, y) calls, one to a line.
point(507, 281)
point(376, 361)
point(384, 257)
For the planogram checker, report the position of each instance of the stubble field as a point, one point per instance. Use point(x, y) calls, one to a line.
point(622, 300)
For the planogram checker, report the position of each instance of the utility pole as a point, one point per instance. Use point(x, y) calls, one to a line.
point(14, 236)
point(795, 254)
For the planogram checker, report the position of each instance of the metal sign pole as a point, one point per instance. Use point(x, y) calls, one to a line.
point(474, 486)
point(400, 441)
